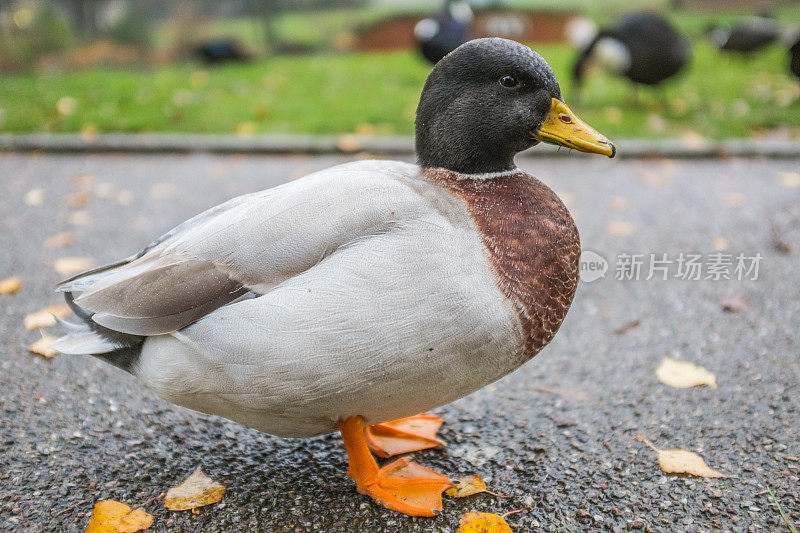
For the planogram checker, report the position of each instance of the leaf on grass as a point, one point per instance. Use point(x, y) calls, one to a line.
point(682, 462)
point(198, 490)
point(42, 346)
point(59, 240)
point(34, 197)
point(45, 317)
point(110, 516)
point(682, 374)
point(10, 285)
point(474, 522)
point(73, 265)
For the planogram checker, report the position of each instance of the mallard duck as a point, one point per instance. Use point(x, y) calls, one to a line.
point(642, 47)
point(361, 295)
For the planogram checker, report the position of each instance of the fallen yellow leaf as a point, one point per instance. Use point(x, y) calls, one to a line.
point(73, 265)
point(42, 346)
point(682, 374)
point(469, 485)
point(59, 240)
point(10, 285)
point(110, 516)
point(719, 244)
point(620, 228)
point(789, 179)
point(34, 197)
point(198, 490)
point(45, 317)
point(474, 522)
point(682, 462)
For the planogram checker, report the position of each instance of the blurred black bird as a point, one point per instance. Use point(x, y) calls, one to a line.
point(748, 35)
point(642, 46)
point(221, 51)
point(794, 54)
point(447, 30)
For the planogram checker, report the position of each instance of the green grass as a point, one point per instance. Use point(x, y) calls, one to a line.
point(717, 97)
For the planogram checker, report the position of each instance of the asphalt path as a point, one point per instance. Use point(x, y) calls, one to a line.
point(556, 436)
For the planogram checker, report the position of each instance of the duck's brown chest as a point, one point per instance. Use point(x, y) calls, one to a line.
point(532, 246)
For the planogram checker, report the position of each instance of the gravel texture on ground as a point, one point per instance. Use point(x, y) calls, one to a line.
point(556, 435)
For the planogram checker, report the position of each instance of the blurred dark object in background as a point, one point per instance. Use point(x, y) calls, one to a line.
point(222, 51)
point(447, 30)
point(748, 35)
point(642, 46)
point(794, 53)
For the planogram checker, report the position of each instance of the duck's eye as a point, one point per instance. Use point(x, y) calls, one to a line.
point(566, 119)
point(508, 81)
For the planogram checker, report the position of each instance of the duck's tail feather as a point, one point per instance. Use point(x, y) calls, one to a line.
point(89, 338)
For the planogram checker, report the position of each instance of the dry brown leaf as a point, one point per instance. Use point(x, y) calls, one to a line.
point(620, 228)
point(73, 265)
point(10, 285)
point(77, 199)
point(789, 179)
point(198, 490)
point(59, 240)
point(475, 522)
point(34, 197)
point(682, 462)
point(110, 516)
point(682, 374)
point(83, 181)
point(42, 346)
point(469, 485)
point(627, 326)
point(45, 317)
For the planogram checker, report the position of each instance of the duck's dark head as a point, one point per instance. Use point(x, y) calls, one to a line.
point(488, 100)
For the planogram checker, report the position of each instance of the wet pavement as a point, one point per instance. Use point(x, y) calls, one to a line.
point(556, 436)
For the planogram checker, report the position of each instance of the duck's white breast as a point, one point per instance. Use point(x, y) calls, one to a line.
point(387, 326)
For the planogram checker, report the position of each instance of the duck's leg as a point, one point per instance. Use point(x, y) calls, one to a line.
point(404, 435)
point(401, 485)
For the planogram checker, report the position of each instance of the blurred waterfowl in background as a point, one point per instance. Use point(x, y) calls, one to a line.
point(222, 51)
point(748, 35)
point(642, 46)
point(450, 28)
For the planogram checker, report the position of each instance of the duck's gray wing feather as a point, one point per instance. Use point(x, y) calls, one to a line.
point(251, 243)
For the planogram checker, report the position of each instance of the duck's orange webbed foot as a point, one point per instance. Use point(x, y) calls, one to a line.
point(404, 435)
point(401, 485)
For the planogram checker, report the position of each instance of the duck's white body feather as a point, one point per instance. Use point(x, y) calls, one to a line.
point(376, 299)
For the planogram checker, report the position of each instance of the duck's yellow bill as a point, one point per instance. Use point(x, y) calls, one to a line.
point(562, 127)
